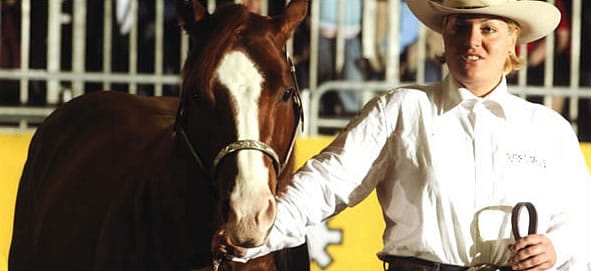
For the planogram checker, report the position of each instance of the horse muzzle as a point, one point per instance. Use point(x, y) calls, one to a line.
point(250, 227)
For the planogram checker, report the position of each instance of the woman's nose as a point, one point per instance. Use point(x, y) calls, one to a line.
point(473, 37)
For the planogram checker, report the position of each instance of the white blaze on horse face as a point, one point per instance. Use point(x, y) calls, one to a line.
point(252, 206)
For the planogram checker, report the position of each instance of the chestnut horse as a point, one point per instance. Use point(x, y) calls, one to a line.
point(122, 182)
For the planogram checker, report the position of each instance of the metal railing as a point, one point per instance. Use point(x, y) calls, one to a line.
point(573, 90)
point(65, 73)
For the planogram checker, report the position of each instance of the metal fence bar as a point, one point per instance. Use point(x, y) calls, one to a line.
point(289, 45)
point(107, 40)
point(159, 46)
point(210, 6)
point(184, 49)
point(549, 66)
point(54, 31)
point(25, 46)
point(313, 69)
point(421, 55)
point(78, 45)
point(393, 51)
point(24, 54)
point(575, 59)
point(340, 39)
point(370, 26)
point(133, 37)
point(23, 115)
point(264, 7)
point(134, 78)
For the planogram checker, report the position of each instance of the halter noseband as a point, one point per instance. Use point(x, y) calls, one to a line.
point(248, 144)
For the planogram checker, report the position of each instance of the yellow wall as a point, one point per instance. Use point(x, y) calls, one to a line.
point(13, 152)
point(362, 240)
point(361, 226)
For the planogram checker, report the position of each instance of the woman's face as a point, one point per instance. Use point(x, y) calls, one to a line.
point(476, 48)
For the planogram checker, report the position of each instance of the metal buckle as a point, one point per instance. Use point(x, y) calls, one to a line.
point(485, 267)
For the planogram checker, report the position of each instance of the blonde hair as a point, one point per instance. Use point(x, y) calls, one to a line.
point(513, 62)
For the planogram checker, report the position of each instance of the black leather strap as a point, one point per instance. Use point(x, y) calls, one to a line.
point(533, 219)
point(400, 263)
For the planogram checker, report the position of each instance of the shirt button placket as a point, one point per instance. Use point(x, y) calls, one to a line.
point(481, 154)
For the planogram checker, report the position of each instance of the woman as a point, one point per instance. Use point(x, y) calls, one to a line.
point(451, 159)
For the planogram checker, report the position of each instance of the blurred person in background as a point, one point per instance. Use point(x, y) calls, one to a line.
point(10, 51)
point(341, 102)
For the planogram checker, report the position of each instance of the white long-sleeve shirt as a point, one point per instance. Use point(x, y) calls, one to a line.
point(448, 167)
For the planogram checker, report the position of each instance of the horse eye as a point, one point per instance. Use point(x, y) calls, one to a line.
point(287, 94)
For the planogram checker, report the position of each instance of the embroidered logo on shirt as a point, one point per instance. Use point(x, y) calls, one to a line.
point(525, 159)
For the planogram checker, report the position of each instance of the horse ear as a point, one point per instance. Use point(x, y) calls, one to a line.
point(294, 14)
point(189, 12)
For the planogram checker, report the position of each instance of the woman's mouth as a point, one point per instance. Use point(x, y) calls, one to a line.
point(471, 58)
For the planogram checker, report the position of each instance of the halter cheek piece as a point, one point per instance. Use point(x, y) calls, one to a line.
point(250, 144)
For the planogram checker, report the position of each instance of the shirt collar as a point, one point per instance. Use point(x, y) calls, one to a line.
point(496, 101)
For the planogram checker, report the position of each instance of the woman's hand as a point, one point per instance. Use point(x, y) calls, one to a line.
point(533, 252)
point(222, 245)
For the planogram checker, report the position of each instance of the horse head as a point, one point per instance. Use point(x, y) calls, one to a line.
point(240, 109)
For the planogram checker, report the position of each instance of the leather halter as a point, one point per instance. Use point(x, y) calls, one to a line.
point(251, 144)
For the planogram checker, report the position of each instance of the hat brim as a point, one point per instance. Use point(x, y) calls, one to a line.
point(536, 19)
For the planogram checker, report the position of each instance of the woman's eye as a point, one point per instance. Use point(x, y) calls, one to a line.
point(488, 29)
point(460, 28)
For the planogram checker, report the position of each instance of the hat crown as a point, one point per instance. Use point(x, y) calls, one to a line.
point(472, 3)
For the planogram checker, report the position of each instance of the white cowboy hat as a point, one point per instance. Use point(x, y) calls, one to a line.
point(535, 18)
